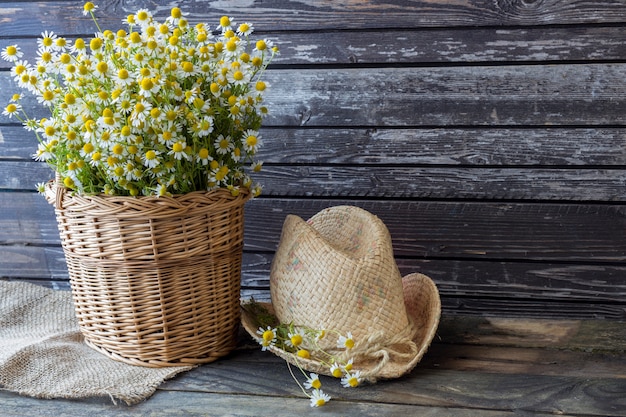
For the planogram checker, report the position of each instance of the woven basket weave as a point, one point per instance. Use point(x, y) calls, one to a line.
point(155, 281)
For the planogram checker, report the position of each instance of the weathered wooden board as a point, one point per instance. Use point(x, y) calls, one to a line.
point(475, 366)
point(428, 46)
point(186, 403)
point(570, 95)
point(515, 95)
point(558, 147)
point(472, 230)
point(535, 255)
point(402, 182)
point(26, 18)
point(525, 231)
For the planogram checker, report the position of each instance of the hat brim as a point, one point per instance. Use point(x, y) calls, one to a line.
point(423, 306)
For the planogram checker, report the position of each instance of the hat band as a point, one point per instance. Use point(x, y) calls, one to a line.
point(379, 349)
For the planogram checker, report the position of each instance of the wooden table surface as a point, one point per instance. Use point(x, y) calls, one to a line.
point(476, 367)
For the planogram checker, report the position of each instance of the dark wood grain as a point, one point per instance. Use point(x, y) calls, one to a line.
point(402, 182)
point(465, 45)
point(471, 229)
point(494, 146)
point(524, 231)
point(559, 260)
point(476, 366)
point(166, 403)
point(519, 95)
point(65, 17)
point(560, 147)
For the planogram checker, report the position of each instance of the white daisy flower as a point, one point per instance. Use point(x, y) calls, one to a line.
point(11, 53)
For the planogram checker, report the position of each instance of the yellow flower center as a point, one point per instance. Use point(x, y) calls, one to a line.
point(95, 44)
point(135, 37)
point(187, 66)
point(102, 67)
point(68, 182)
point(261, 45)
point(171, 115)
point(89, 6)
point(50, 131)
point(268, 335)
point(88, 147)
point(303, 353)
point(296, 340)
point(231, 46)
point(198, 103)
point(150, 155)
point(46, 56)
point(147, 84)
point(251, 141)
point(221, 174)
point(176, 13)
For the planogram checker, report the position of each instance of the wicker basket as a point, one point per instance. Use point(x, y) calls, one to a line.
point(155, 281)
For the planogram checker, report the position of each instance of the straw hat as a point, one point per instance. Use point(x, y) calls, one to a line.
point(337, 271)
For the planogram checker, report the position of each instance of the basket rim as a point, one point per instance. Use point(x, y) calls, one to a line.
point(64, 199)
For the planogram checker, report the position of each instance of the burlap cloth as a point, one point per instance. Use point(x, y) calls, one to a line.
point(42, 353)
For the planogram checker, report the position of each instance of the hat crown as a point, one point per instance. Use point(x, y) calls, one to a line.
point(337, 271)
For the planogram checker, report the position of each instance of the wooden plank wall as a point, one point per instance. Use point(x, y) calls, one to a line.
point(488, 135)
